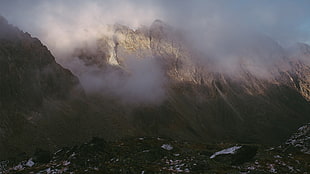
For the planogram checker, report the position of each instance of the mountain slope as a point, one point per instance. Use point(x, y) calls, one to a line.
point(32, 88)
point(259, 96)
point(147, 82)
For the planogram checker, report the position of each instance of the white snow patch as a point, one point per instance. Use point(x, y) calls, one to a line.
point(167, 147)
point(230, 150)
point(30, 163)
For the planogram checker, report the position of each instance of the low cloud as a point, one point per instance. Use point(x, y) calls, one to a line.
point(142, 81)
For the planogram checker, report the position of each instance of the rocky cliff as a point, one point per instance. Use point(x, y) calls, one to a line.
point(261, 96)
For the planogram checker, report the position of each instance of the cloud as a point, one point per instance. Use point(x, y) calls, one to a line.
point(61, 24)
point(144, 80)
point(64, 25)
point(279, 19)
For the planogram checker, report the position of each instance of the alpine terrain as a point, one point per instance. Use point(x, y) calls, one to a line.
point(150, 100)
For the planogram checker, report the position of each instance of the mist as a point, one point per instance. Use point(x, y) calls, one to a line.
point(61, 24)
point(221, 30)
point(143, 81)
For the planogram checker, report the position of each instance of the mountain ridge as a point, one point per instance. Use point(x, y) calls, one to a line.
point(190, 98)
point(33, 86)
point(216, 93)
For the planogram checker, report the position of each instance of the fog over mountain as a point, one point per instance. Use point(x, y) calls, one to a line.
point(63, 25)
point(219, 31)
point(194, 70)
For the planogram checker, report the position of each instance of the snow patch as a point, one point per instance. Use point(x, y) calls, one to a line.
point(230, 150)
point(167, 147)
point(30, 163)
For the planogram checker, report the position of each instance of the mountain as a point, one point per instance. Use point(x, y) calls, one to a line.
point(34, 89)
point(261, 94)
point(42, 104)
point(148, 82)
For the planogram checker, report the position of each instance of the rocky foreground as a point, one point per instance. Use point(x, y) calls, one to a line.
point(159, 155)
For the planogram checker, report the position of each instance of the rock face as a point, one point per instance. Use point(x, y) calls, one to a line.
point(29, 73)
point(32, 88)
point(300, 70)
point(260, 96)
